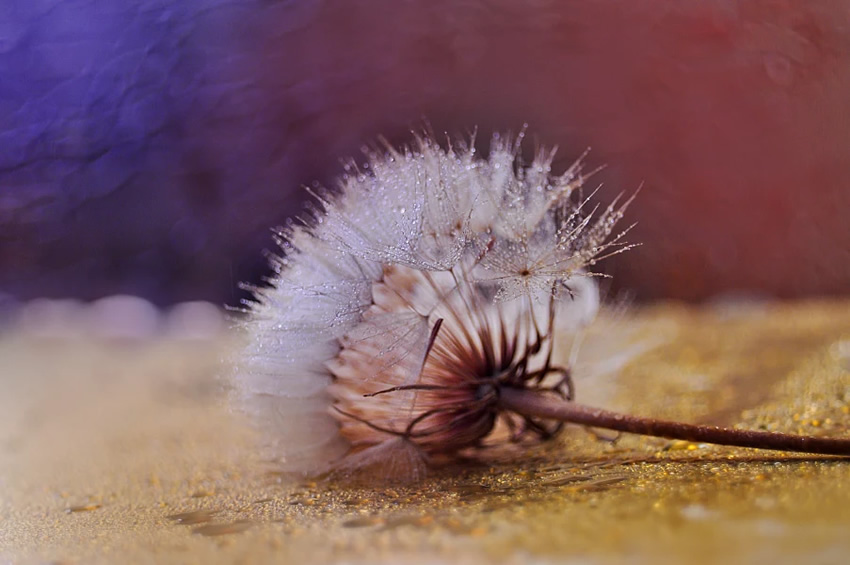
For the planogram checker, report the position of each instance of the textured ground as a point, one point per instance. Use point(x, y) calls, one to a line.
point(123, 450)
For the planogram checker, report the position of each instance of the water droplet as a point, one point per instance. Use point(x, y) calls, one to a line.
point(195, 517)
point(223, 529)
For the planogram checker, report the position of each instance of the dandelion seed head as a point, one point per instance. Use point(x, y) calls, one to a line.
point(404, 301)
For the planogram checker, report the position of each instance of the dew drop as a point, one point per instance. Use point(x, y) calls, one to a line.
point(212, 530)
point(195, 517)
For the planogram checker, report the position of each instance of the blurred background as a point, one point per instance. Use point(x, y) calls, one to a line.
point(147, 147)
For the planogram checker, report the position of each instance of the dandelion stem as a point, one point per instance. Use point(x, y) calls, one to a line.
point(536, 404)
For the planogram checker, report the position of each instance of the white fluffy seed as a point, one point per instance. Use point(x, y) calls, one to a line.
point(420, 263)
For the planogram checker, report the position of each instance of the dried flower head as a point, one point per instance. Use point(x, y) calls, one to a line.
point(431, 278)
point(413, 311)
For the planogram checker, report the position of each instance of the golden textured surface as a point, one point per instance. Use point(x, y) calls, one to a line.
point(126, 452)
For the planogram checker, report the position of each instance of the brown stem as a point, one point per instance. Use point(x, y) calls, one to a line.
point(532, 403)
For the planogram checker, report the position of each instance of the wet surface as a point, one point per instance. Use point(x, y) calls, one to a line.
point(127, 451)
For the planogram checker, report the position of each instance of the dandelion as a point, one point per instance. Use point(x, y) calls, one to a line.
point(413, 312)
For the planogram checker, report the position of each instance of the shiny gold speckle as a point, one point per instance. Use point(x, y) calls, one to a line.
point(680, 445)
